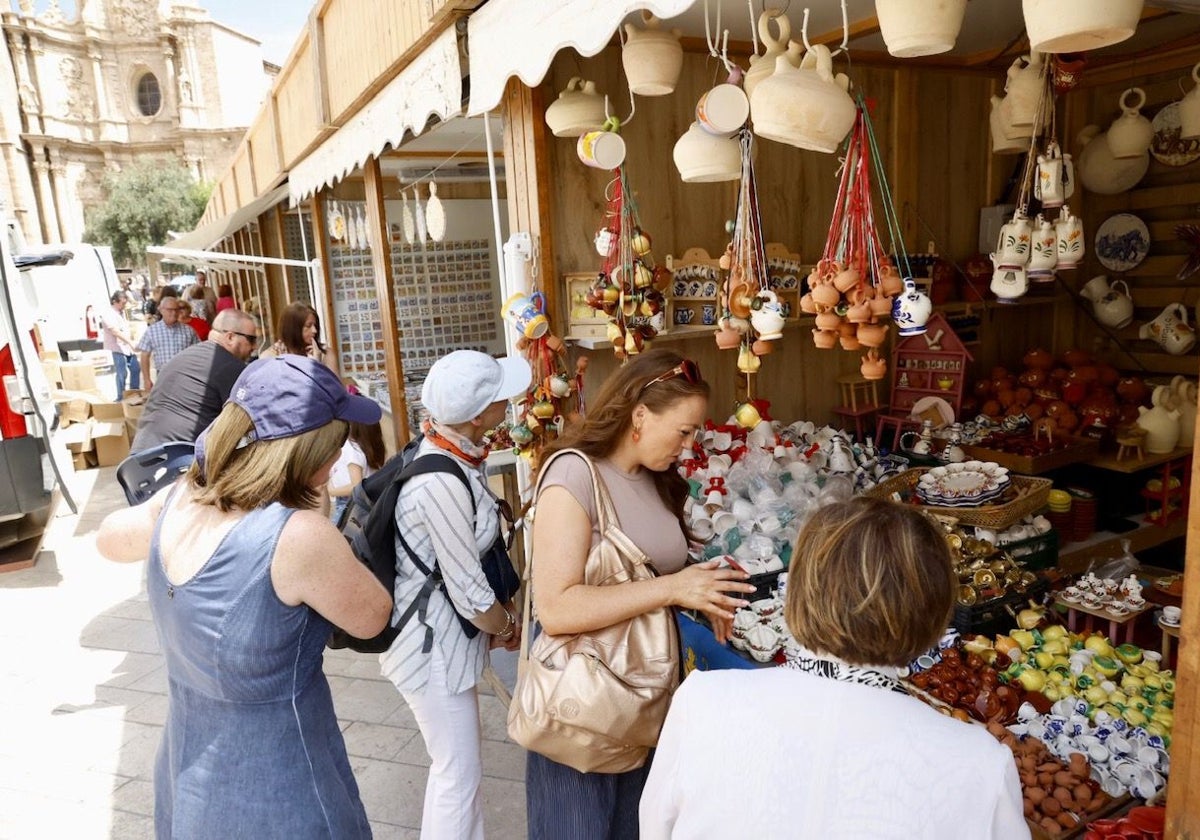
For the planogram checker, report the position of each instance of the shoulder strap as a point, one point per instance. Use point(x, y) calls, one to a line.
point(434, 462)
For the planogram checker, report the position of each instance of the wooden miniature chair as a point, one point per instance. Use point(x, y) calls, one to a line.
point(860, 404)
point(1130, 442)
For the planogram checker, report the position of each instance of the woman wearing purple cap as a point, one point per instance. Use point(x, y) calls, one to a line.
point(448, 523)
point(244, 580)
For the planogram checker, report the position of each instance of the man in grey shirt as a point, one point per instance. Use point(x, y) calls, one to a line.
point(194, 385)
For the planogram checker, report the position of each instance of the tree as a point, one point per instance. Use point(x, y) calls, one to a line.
point(145, 201)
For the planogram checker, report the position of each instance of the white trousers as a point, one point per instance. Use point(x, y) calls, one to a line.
point(450, 726)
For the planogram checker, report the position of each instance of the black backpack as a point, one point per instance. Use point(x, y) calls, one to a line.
point(369, 525)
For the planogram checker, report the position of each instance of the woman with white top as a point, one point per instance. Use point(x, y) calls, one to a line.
point(436, 661)
point(829, 745)
point(362, 454)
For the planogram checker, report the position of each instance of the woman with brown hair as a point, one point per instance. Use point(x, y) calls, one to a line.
point(830, 745)
point(244, 580)
point(299, 333)
point(362, 454)
point(225, 298)
point(645, 415)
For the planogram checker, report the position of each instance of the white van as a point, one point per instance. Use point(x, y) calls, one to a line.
point(67, 299)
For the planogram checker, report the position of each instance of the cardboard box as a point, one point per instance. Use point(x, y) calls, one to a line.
point(83, 460)
point(78, 406)
point(111, 442)
point(108, 412)
point(131, 427)
point(50, 356)
point(78, 376)
point(77, 438)
point(133, 403)
point(53, 373)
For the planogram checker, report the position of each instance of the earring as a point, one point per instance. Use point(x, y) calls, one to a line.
point(637, 434)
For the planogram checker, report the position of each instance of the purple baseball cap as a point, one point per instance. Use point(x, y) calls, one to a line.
point(288, 395)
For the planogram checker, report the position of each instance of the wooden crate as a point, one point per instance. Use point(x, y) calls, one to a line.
point(1079, 451)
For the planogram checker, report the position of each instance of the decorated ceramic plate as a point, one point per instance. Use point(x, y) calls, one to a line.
point(1122, 242)
point(1167, 147)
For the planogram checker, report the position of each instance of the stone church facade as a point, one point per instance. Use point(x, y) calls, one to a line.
point(121, 80)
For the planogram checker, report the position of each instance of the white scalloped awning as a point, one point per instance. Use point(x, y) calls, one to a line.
point(507, 38)
point(429, 86)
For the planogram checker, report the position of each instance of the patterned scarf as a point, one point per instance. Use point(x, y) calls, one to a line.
point(446, 438)
point(830, 667)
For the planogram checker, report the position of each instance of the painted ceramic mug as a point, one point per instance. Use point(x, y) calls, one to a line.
point(603, 148)
point(526, 314)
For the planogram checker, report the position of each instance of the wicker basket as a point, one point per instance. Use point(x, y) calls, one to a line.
point(1024, 496)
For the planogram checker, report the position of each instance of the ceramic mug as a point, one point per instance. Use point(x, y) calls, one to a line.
point(527, 314)
point(723, 110)
point(603, 148)
point(1171, 615)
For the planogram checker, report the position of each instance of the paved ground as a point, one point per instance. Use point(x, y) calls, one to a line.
point(83, 697)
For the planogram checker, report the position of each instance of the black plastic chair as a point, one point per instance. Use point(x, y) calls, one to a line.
point(144, 473)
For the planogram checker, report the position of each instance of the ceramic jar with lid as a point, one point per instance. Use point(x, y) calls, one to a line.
point(807, 107)
point(579, 108)
point(652, 58)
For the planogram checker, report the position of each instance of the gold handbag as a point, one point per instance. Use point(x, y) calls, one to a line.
point(596, 701)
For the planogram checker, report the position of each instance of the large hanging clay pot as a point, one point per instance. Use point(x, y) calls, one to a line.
point(579, 108)
point(762, 66)
point(1024, 90)
point(807, 107)
point(652, 58)
point(912, 28)
point(1100, 172)
point(1189, 110)
point(1131, 134)
point(1058, 26)
point(702, 157)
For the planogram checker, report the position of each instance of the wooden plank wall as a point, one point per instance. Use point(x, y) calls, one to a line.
point(1167, 196)
point(947, 170)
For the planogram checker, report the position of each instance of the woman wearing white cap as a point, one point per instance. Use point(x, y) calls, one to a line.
point(244, 579)
point(448, 523)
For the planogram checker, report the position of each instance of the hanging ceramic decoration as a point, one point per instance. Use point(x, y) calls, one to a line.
point(1100, 172)
point(807, 107)
point(1168, 146)
point(1189, 109)
point(1122, 242)
point(912, 28)
point(422, 228)
point(352, 230)
point(435, 215)
point(1130, 134)
point(408, 222)
point(652, 58)
point(1067, 26)
point(360, 229)
point(337, 222)
point(762, 66)
point(702, 157)
point(579, 108)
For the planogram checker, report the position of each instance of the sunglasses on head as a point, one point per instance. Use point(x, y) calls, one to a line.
point(687, 369)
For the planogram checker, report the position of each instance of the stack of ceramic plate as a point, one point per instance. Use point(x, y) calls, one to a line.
point(1059, 513)
point(969, 484)
point(1083, 513)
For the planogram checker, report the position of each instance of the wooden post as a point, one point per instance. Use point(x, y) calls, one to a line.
point(381, 265)
point(527, 180)
point(1183, 799)
point(320, 252)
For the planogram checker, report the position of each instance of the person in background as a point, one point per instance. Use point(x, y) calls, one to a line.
point(446, 524)
point(165, 338)
point(245, 580)
point(187, 314)
point(300, 333)
point(829, 744)
point(225, 298)
point(194, 386)
point(118, 340)
point(362, 454)
point(644, 416)
point(205, 291)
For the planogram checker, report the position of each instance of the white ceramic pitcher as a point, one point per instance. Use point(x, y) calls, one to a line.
point(807, 107)
point(1131, 134)
point(1171, 330)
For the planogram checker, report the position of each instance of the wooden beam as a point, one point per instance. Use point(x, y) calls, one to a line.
point(381, 264)
point(321, 253)
point(527, 183)
point(316, 38)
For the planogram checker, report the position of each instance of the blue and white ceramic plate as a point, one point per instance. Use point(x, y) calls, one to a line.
point(1122, 242)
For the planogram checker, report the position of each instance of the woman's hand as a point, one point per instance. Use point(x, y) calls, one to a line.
point(705, 587)
point(315, 352)
point(722, 629)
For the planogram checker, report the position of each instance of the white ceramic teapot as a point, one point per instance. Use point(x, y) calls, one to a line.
point(911, 309)
point(652, 58)
point(807, 107)
point(766, 315)
point(579, 108)
point(1008, 284)
point(701, 156)
point(1189, 110)
point(1113, 307)
point(1055, 181)
point(1160, 422)
point(1131, 134)
point(1012, 246)
point(1069, 230)
point(1043, 252)
point(762, 66)
point(1171, 330)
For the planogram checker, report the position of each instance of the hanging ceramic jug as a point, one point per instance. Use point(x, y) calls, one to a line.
point(1171, 330)
point(1131, 134)
point(912, 28)
point(766, 314)
point(1066, 26)
point(652, 58)
point(911, 309)
point(579, 108)
point(1003, 143)
point(808, 108)
point(762, 66)
point(1112, 307)
point(723, 110)
point(1055, 180)
point(1012, 247)
point(1043, 252)
point(1009, 284)
point(1024, 89)
point(1189, 110)
point(703, 157)
point(1100, 172)
point(1069, 230)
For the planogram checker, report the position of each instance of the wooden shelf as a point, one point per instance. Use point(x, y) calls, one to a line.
point(1128, 465)
point(1074, 557)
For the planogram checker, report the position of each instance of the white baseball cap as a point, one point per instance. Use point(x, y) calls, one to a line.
point(462, 384)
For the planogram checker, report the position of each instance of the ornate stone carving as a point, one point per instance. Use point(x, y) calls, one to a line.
point(78, 102)
point(29, 99)
point(136, 18)
point(53, 16)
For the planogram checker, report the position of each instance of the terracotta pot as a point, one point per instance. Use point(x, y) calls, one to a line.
point(762, 348)
point(824, 339)
point(846, 279)
point(881, 306)
point(808, 305)
point(872, 335)
point(727, 337)
point(824, 294)
point(872, 366)
point(849, 342)
point(828, 321)
point(739, 300)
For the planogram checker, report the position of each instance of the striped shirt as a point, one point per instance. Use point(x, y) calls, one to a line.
point(434, 514)
point(163, 342)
